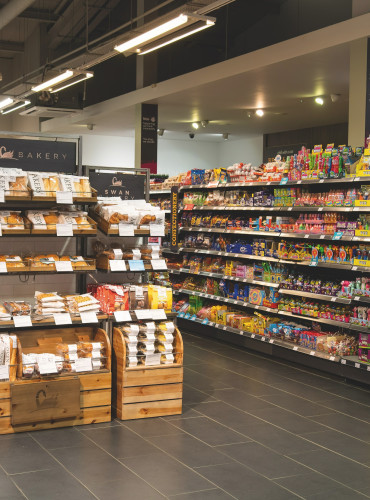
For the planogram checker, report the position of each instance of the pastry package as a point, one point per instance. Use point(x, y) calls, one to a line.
point(4, 313)
point(18, 308)
point(153, 216)
point(18, 184)
point(12, 261)
point(78, 219)
point(112, 298)
point(43, 219)
point(160, 297)
point(11, 220)
point(139, 297)
point(48, 297)
point(81, 303)
point(79, 186)
point(29, 364)
point(92, 350)
point(43, 184)
point(8, 353)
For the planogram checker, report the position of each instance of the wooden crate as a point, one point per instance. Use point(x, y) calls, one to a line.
point(146, 391)
point(90, 229)
point(63, 400)
point(112, 229)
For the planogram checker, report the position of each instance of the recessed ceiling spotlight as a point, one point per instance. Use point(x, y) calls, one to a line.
point(319, 101)
point(195, 125)
point(260, 112)
point(160, 131)
point(204, 123)
point(225, 136)
point(249, 114)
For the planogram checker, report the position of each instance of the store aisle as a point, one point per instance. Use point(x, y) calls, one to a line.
point(252, 428)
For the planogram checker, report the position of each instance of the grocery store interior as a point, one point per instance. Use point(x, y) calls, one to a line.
point(184, 249)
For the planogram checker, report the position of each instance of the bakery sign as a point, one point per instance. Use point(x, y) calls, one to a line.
point(42, 156)
point(125, 186)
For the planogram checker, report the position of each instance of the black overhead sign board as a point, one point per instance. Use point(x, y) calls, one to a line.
point(126, 186)
point(42, 156)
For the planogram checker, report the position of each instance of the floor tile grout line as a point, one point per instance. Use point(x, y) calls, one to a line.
point(287, 392)
point(280, 363)
point(197, 491)
point(125, 466)
point(325, 475)
point(13, 482)
point(281, 428)
point(63, 466)
point(173, 457)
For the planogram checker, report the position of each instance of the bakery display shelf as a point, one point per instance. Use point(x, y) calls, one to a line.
point(153, 192)
point(113, 230)
point(70, 398)
point(318, 296)
point(51, 229)
point(76, 319)
point(104, 264)
point(88, 266)
point(81, 198)
point(146, 391)
point(227, 300)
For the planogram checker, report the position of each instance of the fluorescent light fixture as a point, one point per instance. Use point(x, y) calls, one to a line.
point(260, 112)
point(53, 81)
point(319, 100)
point(153, 33)
point(195, 125)
point(183, 34)
point(18, 105)
point(79, 78)
point(5, 102)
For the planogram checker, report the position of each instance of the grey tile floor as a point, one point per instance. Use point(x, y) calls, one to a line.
point(252, 428)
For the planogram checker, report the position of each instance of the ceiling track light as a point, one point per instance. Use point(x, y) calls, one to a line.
point(260, 112)
point(16, 105)
point(6, 102)
point(53, 81)
point(195, 125)
point(77, 79)
point(169, 28)
point(319, 101)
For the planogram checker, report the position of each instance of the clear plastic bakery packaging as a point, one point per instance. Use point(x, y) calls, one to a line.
point(29, 364)
point(138, 297)
point(18, 308)
point(11, 220)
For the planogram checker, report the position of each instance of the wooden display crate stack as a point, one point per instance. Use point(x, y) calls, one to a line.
point(62, 400)
point(146, 391)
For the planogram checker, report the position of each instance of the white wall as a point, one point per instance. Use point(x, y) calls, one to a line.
point(108, 151)
point(247, 150)
point(175, 156)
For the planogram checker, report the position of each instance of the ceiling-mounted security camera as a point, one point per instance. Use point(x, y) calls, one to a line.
point(191, 135)
point(160, 132)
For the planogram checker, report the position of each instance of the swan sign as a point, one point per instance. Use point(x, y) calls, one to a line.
point(126, 186)
point(44, 156)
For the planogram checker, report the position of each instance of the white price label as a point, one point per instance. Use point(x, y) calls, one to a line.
point(22, 321)
point(357, 365)
point(126, 229)
point(158, 264)
point(263, 339)
point(3, 268)
point(272, 341)
point(253, 335)
point(63, 266)
point(65, 197)
point(312, 353)
point(156, 229)
point(83, 365)
point(343, 361)
point(4, 371)
point(295, 348)
point(1, 230)
point(159, 314)
point(2, 196)
point(153, 359)
point(88, 317)
point(332, 358)
point(121, 316)
point(62, 319)
point(143, 314)
point(64, 229)
point(46, 367)
point(117, 265)
point(117, 253)
point(356, 298)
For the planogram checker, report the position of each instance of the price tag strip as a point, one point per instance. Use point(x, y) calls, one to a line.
point(122, 316)
point(64, 229)
point(63, 266)
point(117, 265)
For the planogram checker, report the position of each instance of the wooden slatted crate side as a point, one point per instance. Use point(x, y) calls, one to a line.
point(149, 393)
point(151, 409)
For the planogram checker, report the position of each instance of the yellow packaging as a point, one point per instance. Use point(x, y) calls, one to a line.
point(229, 268)
point(160, 297)
point(221, 317)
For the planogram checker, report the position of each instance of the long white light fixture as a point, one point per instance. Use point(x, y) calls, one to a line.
point(5, 102)
point(79, 78)
point(53, 81)
point(156, 46)
point(153, 33)
point(17, 105)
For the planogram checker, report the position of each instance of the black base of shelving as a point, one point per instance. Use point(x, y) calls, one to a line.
point(276, 351)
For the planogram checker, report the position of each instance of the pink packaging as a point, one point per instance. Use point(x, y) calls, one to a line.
point(364, 340)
